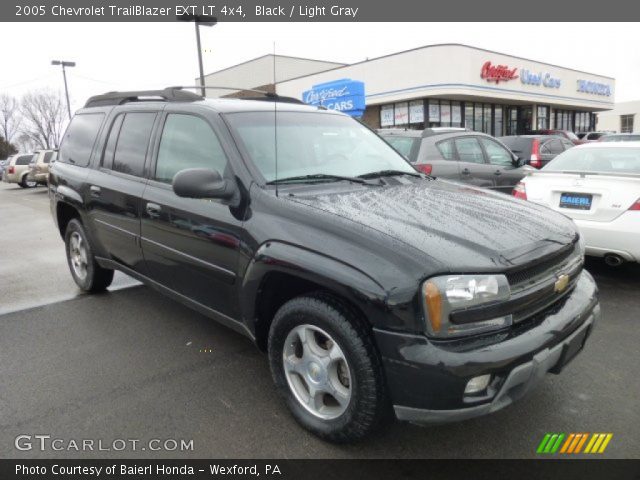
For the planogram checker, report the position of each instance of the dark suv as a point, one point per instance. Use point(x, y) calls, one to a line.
point(373, 288)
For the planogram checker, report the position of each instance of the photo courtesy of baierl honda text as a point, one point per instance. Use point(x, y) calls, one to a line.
point(334, 240)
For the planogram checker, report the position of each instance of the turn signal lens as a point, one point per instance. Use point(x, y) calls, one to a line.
point(433, 300)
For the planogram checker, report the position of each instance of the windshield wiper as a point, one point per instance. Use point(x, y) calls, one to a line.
point(319, 176)
point(388, 173)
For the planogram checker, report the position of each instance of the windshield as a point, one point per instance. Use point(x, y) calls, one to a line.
point(313, 143)
point(402, 144)
point(602, 160)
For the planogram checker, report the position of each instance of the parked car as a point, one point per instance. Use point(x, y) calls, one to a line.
point(18, 169)
point(568, 134)
point(590, 136)
point(620, 137)
point(464, 156)
point(3, 166)
point(536, 150)
point(372, 288)
point(598, 186)
point(39, 166)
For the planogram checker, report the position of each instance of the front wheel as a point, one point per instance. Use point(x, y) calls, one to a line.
point(327, 369)
point(86, 272)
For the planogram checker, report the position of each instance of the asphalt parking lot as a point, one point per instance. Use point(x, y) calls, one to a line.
point(132, 364)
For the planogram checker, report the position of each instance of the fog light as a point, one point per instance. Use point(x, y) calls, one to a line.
point(477, 384)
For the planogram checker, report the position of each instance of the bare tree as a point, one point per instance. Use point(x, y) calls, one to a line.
point(10, 118)
point(44, 115)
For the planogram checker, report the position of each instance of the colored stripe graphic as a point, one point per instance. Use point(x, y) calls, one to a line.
point(598, 443)
point(573, 443)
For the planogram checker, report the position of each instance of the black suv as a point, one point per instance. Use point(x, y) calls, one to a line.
point(373, 288)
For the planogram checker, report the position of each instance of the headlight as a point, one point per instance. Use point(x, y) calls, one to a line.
point(445, 295)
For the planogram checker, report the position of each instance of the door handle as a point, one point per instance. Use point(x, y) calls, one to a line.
point(95, 190)
point(153, 209)
point(466, 171)
point(498, 172)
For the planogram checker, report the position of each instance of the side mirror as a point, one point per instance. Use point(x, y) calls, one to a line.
point(518, 161)
point(202, 183)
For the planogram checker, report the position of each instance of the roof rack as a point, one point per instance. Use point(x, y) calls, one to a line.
point(169, 94)
point(267, 96)
point(179, 94)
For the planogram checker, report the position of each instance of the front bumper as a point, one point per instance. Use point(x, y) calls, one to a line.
point(427, 380)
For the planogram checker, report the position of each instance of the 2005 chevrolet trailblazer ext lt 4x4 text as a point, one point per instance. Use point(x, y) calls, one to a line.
point(374, 289)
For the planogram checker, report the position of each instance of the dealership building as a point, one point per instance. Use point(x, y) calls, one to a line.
point(437, 86)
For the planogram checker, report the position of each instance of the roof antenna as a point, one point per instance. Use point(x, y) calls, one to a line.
point(275, 119)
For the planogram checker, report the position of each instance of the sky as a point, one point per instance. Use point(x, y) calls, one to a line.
point(131, 56)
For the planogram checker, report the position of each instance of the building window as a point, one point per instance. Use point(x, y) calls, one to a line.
point(445, 113)
point(434, 113)
point(542, 122)
point(478, 117)
point(626, 123)
point(456, 114)
point(468, 115)
point(499, 128)
point(486, 125)
point(386, 116)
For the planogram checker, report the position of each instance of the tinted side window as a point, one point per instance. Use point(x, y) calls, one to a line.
point(133, 141)
point(469, 150)
point(497, 154)
point(187, 142)
point(446, 150)
point(24, 160)
point(110, 147)
point(79, 139)
point(567, 144)
point(555, 147)
point(47, 157)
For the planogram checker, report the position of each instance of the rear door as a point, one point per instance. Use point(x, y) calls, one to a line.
point(116, 186)
point(506, 174)
point(443, 161)
point(190, 245)
point(473, 168)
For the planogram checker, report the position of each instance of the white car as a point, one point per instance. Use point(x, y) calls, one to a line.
point(598, 186)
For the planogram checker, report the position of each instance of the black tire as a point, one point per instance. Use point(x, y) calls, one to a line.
point(369, 404)
point(23, 182)
point(97, 279)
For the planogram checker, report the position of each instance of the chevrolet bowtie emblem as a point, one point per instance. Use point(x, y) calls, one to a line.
point(561, 283)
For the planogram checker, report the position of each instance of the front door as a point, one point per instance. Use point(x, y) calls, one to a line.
point(190, 245)
point(505, 173)
point(472, 167)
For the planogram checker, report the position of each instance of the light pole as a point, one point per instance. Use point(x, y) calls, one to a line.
point(207, 21)
point(64, 76)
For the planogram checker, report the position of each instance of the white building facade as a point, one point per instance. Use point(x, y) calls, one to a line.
point(462, 86)
point(624, 118)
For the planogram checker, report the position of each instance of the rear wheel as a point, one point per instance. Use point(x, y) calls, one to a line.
point(26, 183)
point(86, 272)
point(327, 369)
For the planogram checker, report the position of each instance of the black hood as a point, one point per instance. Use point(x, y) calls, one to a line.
point(457, 225)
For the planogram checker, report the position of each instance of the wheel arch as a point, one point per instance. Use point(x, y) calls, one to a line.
point(280, 271)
